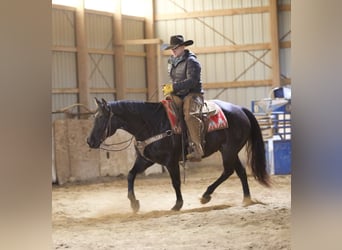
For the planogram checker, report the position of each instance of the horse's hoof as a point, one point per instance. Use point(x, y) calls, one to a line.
point(178, 206)
point(248, 201)
point(135, 206)
point(205, 199)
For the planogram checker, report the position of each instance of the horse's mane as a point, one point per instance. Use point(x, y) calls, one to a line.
point(143, 109)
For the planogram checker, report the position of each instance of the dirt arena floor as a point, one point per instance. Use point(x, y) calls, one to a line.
point(97, 215)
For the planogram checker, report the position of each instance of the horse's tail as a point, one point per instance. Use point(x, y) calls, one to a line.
point(256, 151)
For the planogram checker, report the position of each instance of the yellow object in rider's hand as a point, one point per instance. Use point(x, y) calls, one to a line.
point(167, 89)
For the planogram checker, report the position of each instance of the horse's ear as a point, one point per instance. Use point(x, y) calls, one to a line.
point(97, 102)
point(105, 105)
point(104, 102)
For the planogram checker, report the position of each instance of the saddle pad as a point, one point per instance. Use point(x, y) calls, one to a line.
point(172, 115)
point(217, 119)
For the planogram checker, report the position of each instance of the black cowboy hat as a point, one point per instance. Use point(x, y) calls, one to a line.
point(176, 41)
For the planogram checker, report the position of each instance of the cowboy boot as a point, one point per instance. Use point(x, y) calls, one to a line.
point(196, 154)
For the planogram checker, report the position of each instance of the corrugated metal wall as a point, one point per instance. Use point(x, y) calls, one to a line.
point(101, 53)
point(99, 31)
point(215, 31)
point(285, 40)
point(64, 73)
point(63, 27)
point(135, 62)
point(222, 70)
point(100, 59)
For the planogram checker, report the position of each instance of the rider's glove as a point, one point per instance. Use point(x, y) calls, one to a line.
point(167, 89)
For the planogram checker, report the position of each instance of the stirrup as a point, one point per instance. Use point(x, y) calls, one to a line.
point(194, 157)
point(195, 154)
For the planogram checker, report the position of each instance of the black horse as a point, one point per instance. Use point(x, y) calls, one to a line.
point(149, 124)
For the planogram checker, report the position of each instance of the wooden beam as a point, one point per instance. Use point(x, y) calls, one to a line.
point(137, 90)
point(136, 18)
point(213, 13)
point(63, 49)
point(65, 91)
point(90, 51)
point(119, 51)
point(135, 53)
point(207, 86)
point(98, 12)
point(284, 7)
point(111, 90)
point(285, 44)
point(159, 74)
point(285, 81)
point(82, 56)
point(101, 51)
point(63, 7)
point(227, 48)
point(110, 52)
point(102, 90)
point(142, 41)
point(237, 84)
point(274, 43)
point(232, 48)
point(151, 52)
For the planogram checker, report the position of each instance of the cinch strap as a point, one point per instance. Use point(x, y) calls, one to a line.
point(140, 145)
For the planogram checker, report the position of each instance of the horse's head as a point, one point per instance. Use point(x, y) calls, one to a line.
point(103, 126)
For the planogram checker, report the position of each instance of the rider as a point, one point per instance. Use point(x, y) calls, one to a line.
point(186, 90)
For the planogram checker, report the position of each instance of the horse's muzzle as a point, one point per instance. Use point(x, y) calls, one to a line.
point(91, 143)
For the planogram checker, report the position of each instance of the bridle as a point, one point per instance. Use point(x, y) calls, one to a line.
point(106, 131)
point(140, 145)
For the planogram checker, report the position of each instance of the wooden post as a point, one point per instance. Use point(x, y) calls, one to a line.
point(119, 52)
point(151, 57)
point(274, 43)
point(159, 73)
point(82, 56)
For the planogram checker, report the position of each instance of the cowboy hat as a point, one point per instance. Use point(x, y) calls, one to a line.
point(176, 41)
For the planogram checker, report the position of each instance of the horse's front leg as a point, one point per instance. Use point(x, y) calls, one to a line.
point(135, 205)
point(140, 165)
point(176, 183)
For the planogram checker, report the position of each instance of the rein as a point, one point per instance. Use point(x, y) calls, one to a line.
point(140, 145)
point(108, 127)
point(129, 141)
point(106, 134)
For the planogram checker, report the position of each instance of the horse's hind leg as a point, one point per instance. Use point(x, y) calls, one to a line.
point(139, 166)
point(135, 205)
point(206, 197)
point(176, 183)
point(247, 200)
point(241, 172)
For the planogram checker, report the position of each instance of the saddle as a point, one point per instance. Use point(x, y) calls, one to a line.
point(212, 116)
